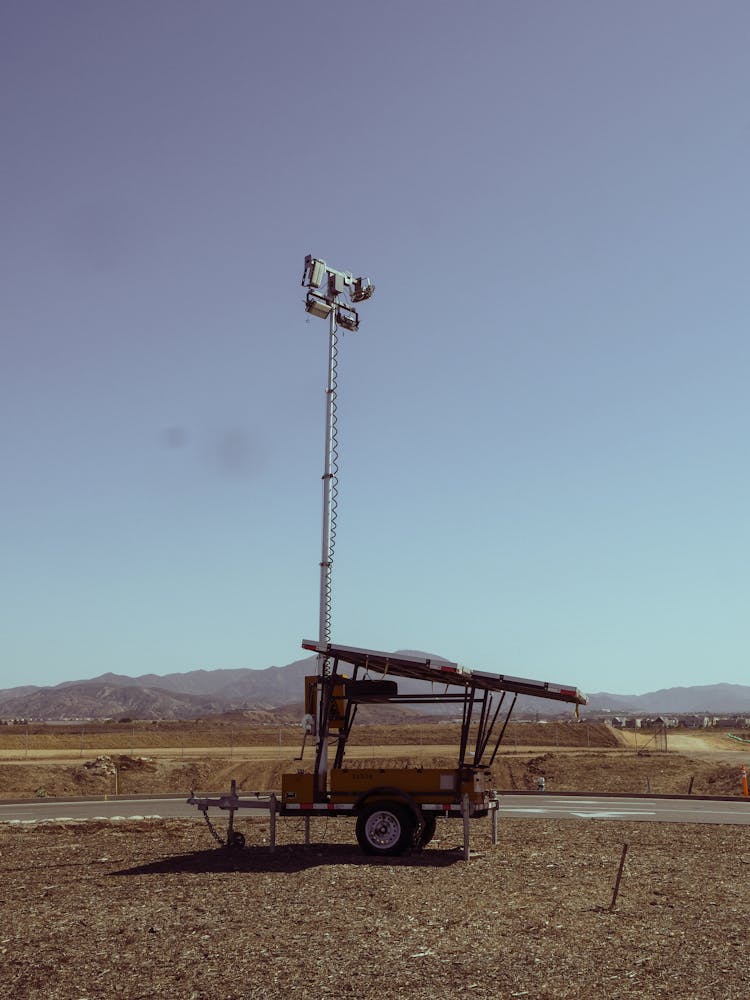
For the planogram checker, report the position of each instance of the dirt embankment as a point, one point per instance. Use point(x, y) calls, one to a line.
point(583, 771)
point(175, 757)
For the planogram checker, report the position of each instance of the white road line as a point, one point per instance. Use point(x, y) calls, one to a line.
point(614, 814)
point(568, 811)
point(566, 801)
point(725, 812)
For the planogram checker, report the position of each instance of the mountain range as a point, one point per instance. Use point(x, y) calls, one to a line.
point(199, 693)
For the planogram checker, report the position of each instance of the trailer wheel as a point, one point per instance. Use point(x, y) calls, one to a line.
point(236, 841)
point(428, 830)
point(384, 828)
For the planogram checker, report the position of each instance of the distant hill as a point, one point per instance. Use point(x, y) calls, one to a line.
point(198, 693)
point(713, 699)
point(17, 692)
point(94, 700)
point(272, 685)
point(188, 695)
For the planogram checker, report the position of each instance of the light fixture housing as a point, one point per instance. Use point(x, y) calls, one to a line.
point(338, 281)
point(316, 305)
point(361, 289)
point(347, 318)
point(315, 271)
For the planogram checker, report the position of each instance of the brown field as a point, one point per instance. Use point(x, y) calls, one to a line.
point(95, 910)
point(176, 757)
point(87, 737)
point(139, 910)
point(260, 769)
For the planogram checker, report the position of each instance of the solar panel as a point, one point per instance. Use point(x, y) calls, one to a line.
point(439, 671)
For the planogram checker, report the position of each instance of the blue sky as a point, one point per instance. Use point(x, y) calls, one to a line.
point(543, 418)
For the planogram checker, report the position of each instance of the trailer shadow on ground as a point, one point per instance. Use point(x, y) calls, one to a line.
point(288, 858)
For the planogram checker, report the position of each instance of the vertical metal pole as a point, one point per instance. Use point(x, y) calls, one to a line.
point(494, 826)
point(272, 823)
point(321, 753)
point(324, 624)
point(324, 631)
point(466, 723)
point(465, 812)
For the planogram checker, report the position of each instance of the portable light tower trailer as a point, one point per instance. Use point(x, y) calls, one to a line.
point(396, 808)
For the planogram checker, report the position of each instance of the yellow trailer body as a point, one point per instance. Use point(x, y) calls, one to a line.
point(297, 788)
point(434, 784)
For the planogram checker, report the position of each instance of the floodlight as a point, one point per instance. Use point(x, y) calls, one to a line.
point(314, 273)
point(347, 318)
point(316, 305)
point(362, 289)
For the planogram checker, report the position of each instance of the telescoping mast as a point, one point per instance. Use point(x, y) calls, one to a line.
point(325, 289)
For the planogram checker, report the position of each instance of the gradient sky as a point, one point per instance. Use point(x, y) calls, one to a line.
point(543, 419)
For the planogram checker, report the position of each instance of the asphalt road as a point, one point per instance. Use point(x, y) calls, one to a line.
point(541, 806)
point(647, 809)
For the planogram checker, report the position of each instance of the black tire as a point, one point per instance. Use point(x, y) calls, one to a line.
point(428, 829)
point(385, 828)
point(236, 841)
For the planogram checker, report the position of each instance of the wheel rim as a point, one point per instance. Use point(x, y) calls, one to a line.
point(383, 829)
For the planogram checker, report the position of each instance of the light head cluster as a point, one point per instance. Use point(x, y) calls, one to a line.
point(328, 285)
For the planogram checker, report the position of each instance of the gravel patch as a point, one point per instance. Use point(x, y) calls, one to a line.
point(139, 910)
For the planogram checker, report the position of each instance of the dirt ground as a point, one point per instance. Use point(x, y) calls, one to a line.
point(138, 910)
point(95, 910)
point(38, 739)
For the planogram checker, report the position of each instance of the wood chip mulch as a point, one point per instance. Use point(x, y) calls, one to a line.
point(150, 909)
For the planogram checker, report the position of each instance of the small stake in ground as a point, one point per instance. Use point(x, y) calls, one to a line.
point(619, 877)
point(743, 776)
